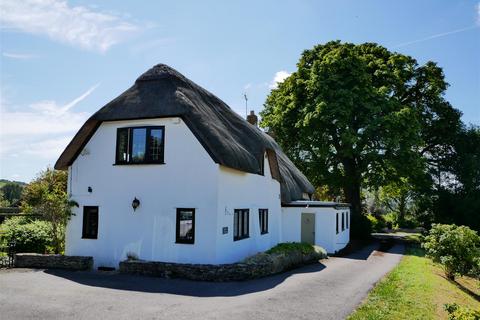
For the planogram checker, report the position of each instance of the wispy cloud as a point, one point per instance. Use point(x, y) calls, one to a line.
point(438, 35)
point(75, 25)
point(279, 77)
point(22, 56)
point(477, 11)
point(42, 130)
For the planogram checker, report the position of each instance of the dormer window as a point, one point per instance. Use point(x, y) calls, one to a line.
point(140, 145)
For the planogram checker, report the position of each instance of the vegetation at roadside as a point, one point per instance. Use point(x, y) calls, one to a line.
point(418, 289)
point(28, 235)
point(47, 200)
point(456, 248)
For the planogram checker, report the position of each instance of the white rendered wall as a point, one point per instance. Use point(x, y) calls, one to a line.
point(188, 179)
point(325, 229)
point(240, 190)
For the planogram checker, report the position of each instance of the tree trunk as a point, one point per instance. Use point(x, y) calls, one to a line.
point(352, 189)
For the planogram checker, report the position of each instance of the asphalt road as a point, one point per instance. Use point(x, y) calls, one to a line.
point(330, 290)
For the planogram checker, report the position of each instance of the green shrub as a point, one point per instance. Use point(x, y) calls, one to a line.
point(287, 247)
point(456, 312)
point(457, 248)
point(288, 253)
point(29, 236)
point(304, 248)
point(377, 224)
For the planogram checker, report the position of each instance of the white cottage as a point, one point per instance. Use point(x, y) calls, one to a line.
point(168, 172)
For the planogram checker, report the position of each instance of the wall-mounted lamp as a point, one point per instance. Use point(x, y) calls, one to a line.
point(135, 203)
point(89, 189)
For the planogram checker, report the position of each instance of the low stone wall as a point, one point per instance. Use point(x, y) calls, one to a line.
point(258, 266)
point(52, 261)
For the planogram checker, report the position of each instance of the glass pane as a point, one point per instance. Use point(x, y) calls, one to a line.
point(235, 224)
point(245, 223)
point(156, 136)
point(138, 144)
point(122, 145)
point(186, 225)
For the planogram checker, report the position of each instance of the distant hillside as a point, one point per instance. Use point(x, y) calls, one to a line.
point(5, 181)
point(10, 192)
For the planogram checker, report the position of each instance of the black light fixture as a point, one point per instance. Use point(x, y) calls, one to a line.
point(135, 203)
point(89, 189)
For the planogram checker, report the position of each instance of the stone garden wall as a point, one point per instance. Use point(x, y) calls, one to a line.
point(52, 261)
point(260, 265)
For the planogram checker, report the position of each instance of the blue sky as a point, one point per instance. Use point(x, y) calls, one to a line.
point(63, 60)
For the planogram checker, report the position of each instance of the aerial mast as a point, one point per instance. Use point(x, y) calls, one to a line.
point(246, 104)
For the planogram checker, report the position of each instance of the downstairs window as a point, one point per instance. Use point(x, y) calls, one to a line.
point(240, 224)
point(90, 222)
point(185, 226)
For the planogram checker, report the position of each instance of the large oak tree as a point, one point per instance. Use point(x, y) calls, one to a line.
point(356, 116)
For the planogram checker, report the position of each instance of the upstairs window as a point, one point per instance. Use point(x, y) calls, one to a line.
point(263, 217)
point(347, 214)
point(137, 145)
point(343, 221)
point(240, 224)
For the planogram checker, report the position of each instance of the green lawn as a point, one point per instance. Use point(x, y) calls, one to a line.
point(416, 289)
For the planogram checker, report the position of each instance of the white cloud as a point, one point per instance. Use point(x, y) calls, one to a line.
point(43, 130)
point(75, 25)
point(22, 56)
point(279, 77)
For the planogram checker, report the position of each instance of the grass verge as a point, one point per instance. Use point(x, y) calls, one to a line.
point(417, 289)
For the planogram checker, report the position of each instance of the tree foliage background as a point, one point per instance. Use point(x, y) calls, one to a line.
point(359, 117)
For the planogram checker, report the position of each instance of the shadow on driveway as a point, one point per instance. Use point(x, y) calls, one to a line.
point(179, 286)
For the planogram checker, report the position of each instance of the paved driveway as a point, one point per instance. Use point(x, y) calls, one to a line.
point(324, 291)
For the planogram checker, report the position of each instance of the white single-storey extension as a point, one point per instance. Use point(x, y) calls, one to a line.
point(168, 172)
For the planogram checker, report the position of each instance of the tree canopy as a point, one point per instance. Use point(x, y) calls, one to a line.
point(355, 116)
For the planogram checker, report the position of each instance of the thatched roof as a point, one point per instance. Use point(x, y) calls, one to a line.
point(229, 139)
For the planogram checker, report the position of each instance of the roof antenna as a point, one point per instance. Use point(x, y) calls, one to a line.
point(246, 104)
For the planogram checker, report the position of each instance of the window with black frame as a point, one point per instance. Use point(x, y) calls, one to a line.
point(337, 222)
point(240, 224)
point(90, 222)
point(140, 145)
point(263, 219)
point(343, 221)
point(185, 226)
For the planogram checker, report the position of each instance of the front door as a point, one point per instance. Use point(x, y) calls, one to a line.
point(308, 228)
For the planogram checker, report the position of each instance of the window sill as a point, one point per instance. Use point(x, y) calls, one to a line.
point(238, 239)
point(84, 238)
point(262, 233)
point(184, 242)
point(137, 163)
